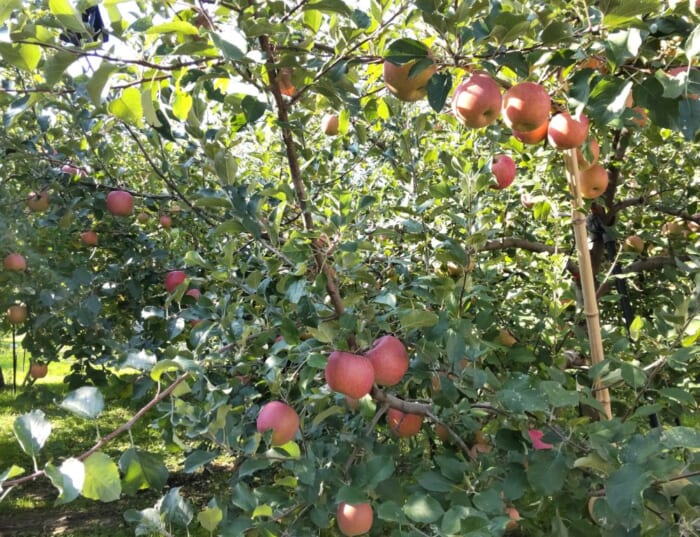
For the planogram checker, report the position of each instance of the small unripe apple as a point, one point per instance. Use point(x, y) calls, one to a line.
point(405, 87)
point(38, 202)
point(567, 132)
point(281, 418)
point(526, 106)
point(38, 371)
point(15, 262)
point(476, 102)
point(165, 221)
point(389, 359)
point(329, 124)
point(173, 279)
point(17, 313)
point(505, 338)
point(349, 374)
point(503, 168)
point(89, 238)
point(143, 218)
point(402, 424)
point(354, 519)
point(120, 203)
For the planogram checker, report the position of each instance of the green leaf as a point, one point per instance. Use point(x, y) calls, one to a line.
point(406, 50)
point(439, 87)
point(178, 27)
point(32, 430)
point(547, 472)
point(86, 402)
point(623, 45)
point(101, 478)
point(628, 12)
point(391, 512)
point(6, 8)
point(692, 44)
point(198, 458)
point(210, 517)
point(99, 80)
point(128, 106)
point(177, 510)
point(681, 437)
point(228, 49)
point(142, 470)
point(423, 508)
point(435, 482)
point(56, 65)
point(252, 108)
point(181, 104)
point(624, 490)
point(12, 471)
point(413, 319)
point(689, 117)
point(67, 15)
point(23, 56)
point(331, 6)
point(68, 479)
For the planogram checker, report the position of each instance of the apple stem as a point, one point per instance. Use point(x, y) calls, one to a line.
point(590, 301)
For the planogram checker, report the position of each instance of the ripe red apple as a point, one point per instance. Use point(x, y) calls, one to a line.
point(503, 168)
point(286, 84)
point(403, 425)
point(526, 106)
point(38, 371)
point(165, 221)
point(120, 203)
point(593, 181)
point(354, 519)
point(534, 136)
point(405, 87)
point(349, 374)
point(194, 293)
point(329, 124)
point(17, 313)
point(389, 359)
point(14, 262)
point(38, 202)
point(567, 132)
point(281, 418)
point(173, 279)
point(476, 102)
point(89, 238)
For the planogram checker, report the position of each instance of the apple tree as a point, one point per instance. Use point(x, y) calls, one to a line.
point(380, 309)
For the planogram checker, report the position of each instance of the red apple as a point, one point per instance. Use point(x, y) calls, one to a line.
point(38, 202)
point(329, 124)
point(73, 170)
point(526, 106)
point(38, 371)
point(194, 293)
point(566, 132)
point(14, 262)
point(476, 102)
point(89, 238)
point(354, 519)
point(165, 221)
point(593, 181)
point(503, 168)
point(349, 374)
point(17, 313)
point(408, 88)
point(534, 136)
point(281, 418)
point(389, 359)
point(583, 164)
point(173, 279)
point(403, 425)
point(120, 203)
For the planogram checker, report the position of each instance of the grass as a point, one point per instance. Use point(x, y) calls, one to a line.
point(29, 508)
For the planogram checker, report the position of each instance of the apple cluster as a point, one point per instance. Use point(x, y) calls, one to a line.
point(525, 107)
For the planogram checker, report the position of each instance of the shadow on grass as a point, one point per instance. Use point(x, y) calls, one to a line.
point(29, 508)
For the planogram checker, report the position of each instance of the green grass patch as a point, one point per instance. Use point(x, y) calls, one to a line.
point(70, 436)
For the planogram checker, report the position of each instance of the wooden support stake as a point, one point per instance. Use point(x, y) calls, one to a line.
point(590, 301)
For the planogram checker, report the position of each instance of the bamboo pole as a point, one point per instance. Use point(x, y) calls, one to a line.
point(590, 301)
